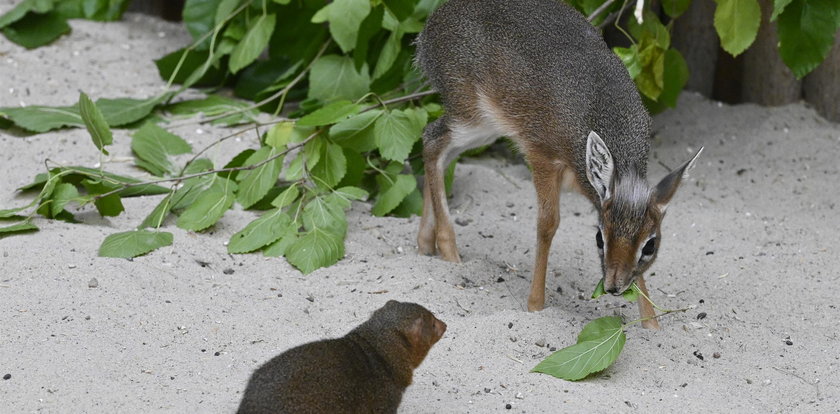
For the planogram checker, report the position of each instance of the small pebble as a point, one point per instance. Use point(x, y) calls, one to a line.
point(310, 298)
point(500, 279)
point(513, 339)
point(519, 396)
point(228, 271)
point(462, 221)
point(540, 342)
point(552, 349)
point(698, 355)
point(7, 376)
point(508, 406)
point(716, 355)
point(701, 315)
point(749, 381)
point(93, 283)
point(788, 342)
point(510, 325)
point(217, 353)
point(487, 390)
point(510, 204)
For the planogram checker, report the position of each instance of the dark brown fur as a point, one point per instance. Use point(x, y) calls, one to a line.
point(366, 371)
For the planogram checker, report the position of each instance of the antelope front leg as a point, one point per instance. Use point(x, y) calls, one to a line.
point(646, 307)
point(546, 178)
point(443, 231)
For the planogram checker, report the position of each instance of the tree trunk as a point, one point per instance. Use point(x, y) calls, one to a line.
point(166, 9)
point(695, 37)
point(822, 86)
point(766, 79)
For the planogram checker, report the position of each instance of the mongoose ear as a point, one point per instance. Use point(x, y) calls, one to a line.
point(414, 332)
point(666, 188)
point(599, 165)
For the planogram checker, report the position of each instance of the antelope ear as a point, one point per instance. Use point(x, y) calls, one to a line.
point(599, 166)
point(666, 188)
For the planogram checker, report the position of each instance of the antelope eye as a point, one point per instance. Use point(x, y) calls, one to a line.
point(599, 240)
point(650, 247)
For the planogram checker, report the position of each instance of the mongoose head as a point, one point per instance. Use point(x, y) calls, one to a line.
point(418, 328)
point(630, 214)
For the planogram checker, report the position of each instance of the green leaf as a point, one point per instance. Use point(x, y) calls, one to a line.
point(156, 217)
point(154, 145)
point(334, 78)
point(674, 79)
point(19, 227)
point(357, 132)
point(255, 41)
point(630, 58)
point(43, 118)
point(651, 80)
point(288, 196)
point(331, 168)
point(254, 184)
point(389, 54)
point(225, 8)
point(778, 8)
point(123, 111)
point(95, 123)
point(599, 328)
point(265, 230)
point(63, 194)
point(736, 22)
point(280, 134)
point(345, 17)
point(280, 247)
point(325, 213)
point(190, 67)
point(315, 249)
point(214, 105)
point(599, 290)
point(351, 193)
point(24, 7)
point(9, 212)
point(369, 28)
point(199, 17)
point(133, 243)
point(207, 209)
point(330, 114)
point(675, 8)
point(110, 206)
point(806, 33)
point(389, 199)
point(397, 131)
point(35, 30)
point(400, 8)
point(603, 344)
point(77, 174)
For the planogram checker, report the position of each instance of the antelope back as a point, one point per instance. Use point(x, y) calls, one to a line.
point(544, 75)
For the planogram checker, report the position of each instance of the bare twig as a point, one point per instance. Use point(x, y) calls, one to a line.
point(209, 172)
point(405, 98)
point(600, 10)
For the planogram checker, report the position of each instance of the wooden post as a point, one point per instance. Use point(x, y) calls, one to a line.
point(766, 80)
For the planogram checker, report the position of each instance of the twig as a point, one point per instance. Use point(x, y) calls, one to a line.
point(221, 170)
point(276, 95)
point(461, 306)
point(514, 359)
point(405, 98)
point(793, 374)
point(600, 10)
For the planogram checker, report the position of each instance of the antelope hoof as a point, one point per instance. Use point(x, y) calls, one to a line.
point(426, 247)
point(453, 257)
point(535, 306)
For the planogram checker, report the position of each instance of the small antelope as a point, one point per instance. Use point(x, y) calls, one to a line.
point(537, 72)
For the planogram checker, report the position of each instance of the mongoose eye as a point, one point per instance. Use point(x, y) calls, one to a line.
point(599, 240)
point(650, 247)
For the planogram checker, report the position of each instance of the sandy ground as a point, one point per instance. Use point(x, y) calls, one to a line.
point(748, 242)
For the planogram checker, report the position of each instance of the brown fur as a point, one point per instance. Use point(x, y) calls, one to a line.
point(366, 371)
point(538, 72)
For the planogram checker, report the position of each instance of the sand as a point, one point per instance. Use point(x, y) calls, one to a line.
point(748, 242)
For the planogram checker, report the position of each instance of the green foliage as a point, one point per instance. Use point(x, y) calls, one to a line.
point(806, 32)
point(631, 294)
point(134, 243)
point(95, 123)
point(35, 23)
point(597, 347)
point(736, 22)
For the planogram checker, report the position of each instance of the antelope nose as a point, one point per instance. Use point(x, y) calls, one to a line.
point(613, 290)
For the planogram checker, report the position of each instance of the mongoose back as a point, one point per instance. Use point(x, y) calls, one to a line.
point(366, 371)
point(537, 72)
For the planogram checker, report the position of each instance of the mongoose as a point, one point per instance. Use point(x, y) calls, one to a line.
point(365, 371)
